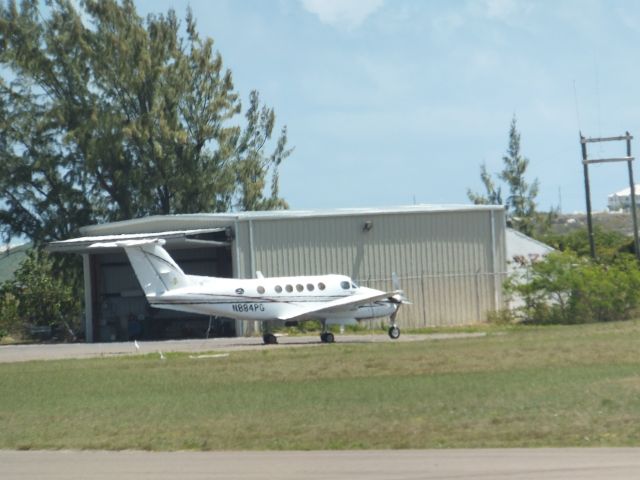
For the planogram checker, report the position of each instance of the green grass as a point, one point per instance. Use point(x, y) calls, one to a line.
point(525, 387)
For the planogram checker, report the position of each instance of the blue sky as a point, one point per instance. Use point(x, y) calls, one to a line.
point(391, 102)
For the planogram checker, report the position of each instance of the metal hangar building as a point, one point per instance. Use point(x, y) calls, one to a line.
point(450, 259)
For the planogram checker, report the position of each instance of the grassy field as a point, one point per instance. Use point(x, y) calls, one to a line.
point(523, 387)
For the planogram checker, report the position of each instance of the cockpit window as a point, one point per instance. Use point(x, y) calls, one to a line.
point(345, 285)
point(354, 286)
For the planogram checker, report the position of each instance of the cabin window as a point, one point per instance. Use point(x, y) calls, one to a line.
point(289, 288)
point(345, 285)
point(260, 289)
point(310, 287)
point(299, 287)
point(278, 289)
point(321, 286)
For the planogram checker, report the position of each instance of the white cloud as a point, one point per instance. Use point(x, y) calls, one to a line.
point(348, 14)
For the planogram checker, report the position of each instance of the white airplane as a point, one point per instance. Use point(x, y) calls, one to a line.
point(333, 299)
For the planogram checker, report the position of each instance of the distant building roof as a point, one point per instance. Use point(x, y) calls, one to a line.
point(10, 260)
point(626, 192)
point(521, 247)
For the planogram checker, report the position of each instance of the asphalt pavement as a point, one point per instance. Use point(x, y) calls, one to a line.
point(520, 464)
point(59, 351)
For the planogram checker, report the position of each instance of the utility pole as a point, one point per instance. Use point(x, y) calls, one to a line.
point(632, 189)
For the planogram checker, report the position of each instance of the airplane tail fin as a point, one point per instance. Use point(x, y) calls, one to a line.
point(157, 272)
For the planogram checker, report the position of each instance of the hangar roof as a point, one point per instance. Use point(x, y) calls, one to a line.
point(163, 223)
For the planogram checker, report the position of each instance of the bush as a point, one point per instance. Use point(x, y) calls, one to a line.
point(9, 319)
point(609, 244)
point(504, 316)
point(565, 288)
point(37, 297)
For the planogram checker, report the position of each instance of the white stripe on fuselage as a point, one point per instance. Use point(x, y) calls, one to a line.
point(241, 298)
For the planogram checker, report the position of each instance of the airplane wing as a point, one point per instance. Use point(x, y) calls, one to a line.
point(342, 304)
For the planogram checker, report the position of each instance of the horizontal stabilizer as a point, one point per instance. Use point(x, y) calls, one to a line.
point(129, 243)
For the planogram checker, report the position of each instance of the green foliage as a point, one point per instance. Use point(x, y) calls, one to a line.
point(504, 316)
point(566, 288)
point(38, 297)
point(9, 319)
point(493, 194)
point(106, 116)
point(521, 200)
point(609, 244)
point(520, 204)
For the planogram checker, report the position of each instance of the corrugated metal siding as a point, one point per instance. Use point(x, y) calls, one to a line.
point(241, 251)
point(449, 262)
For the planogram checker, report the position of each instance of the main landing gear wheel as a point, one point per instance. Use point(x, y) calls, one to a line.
point(394, 332)
point(269, 339)
point(327, 337)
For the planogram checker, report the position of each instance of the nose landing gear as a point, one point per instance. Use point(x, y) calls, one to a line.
point(394, 332)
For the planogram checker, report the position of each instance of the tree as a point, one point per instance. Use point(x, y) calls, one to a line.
point(521, 200)
point(107, 116)
point(520, 204)
point(38, 297)
point(494, 194)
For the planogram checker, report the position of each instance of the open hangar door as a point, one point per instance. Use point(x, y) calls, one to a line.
point(121, 311)
point(118, 309)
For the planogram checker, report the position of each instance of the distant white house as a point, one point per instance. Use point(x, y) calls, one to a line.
point(622, 200)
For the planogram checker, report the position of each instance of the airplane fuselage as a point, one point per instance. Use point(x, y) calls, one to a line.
point(328, 298)
point(272, 298)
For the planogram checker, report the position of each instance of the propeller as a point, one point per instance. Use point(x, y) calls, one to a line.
point(398, 296)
